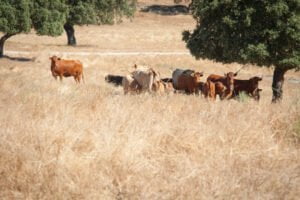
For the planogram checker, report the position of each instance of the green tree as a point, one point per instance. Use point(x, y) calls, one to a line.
point(265, 33)
point(19, 16)
point(84, 12)
point(14, 18)
point(52, 17)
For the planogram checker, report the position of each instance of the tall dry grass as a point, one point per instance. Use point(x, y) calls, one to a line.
point(89, 141)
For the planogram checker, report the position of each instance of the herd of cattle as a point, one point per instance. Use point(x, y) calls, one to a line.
point(146, 79)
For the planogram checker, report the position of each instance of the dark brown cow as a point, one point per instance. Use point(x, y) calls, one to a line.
point(189, 82)
point(114, 79)
point(250, 87)
point(227, 80)
point(66, 68)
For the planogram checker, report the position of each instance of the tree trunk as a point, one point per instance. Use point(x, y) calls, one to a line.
point(70, 34)
point(278, 79)
point(2, 41)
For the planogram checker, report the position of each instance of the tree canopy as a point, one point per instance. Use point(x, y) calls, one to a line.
point(83, 12)
point(52, 17)
point(15, 16)
point(265, 33)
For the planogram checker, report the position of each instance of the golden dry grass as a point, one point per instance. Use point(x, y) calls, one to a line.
point(89, 141)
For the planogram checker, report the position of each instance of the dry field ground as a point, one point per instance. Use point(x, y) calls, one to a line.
point(89, 141)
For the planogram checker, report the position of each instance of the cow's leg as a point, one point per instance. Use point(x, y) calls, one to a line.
point(54, 75)
point(60, 77)
point(197, 91)
point(150, 82)
point(77, 78)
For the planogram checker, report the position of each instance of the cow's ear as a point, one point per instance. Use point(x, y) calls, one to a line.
point(225, 74)
point(235, 74)
point(201, 73)
point(259, 89)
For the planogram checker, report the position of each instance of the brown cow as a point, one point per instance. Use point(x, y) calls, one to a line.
point(189, 82)
point(211, 89)
point(250, 87)
point(207, 89)
point(66, 68)
point(227, 80)
point(221, 90)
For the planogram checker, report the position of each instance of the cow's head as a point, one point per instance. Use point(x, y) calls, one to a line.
point(196, 76)
point(108, 78)
point(254, 82)
point(230, 80)
point(54, 58)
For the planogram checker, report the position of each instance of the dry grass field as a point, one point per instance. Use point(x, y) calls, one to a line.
point(90, 141)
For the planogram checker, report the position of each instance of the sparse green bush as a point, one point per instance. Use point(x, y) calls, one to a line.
point(243, 97)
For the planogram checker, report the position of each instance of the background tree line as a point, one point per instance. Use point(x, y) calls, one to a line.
point(52, 17)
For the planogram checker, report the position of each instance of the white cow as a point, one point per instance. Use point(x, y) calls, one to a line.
point(145, 77)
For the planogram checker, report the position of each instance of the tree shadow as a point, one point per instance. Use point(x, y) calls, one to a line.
point(19, 59)
point(76, 46)
point(167, 10)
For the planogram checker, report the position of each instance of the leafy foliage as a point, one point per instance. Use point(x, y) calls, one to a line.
point(48, 17)
point(99, 12)
point(247, 31)
point(15, 16)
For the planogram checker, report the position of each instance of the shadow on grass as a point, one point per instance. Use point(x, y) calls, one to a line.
point(70, 46)
point(167, 10)
point(20, 59)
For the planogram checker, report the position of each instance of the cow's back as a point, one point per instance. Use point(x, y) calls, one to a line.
point(114, 79)
point(215, 78)
point(248, 86)
point(70, 66)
